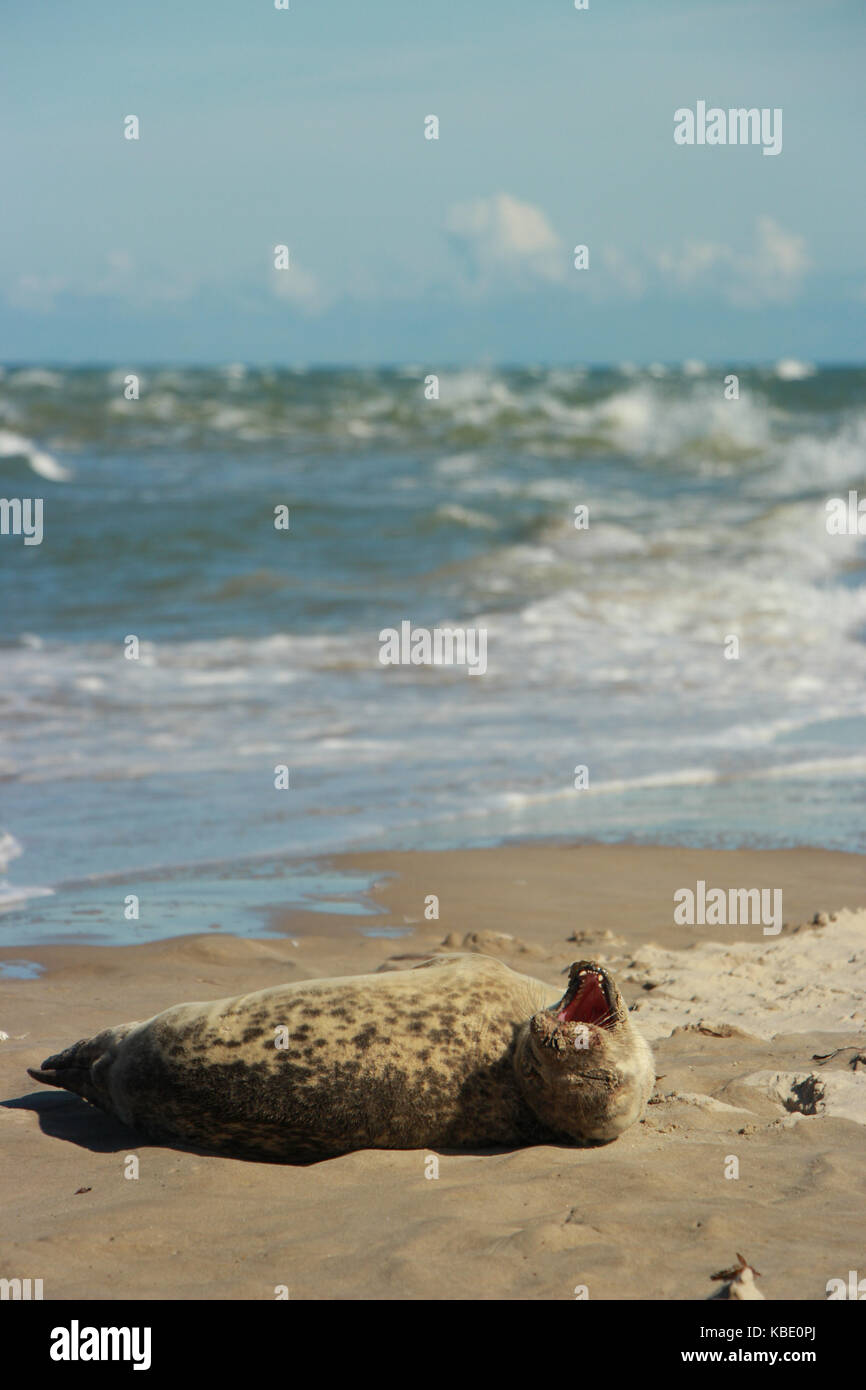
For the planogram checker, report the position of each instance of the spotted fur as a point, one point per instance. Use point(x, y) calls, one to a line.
point(433, 1057)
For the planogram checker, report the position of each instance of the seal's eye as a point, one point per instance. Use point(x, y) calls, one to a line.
point(589, 1002)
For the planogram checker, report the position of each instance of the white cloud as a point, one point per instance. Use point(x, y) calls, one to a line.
point(504, 239)
point(119, 278)
point(623, 272)
point(695, 261)
point(37, 293)
point(300, 288)
point(780, 259)
point(506, 243)
point(771, 271)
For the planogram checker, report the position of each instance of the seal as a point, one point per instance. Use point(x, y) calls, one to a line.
point(458, 1052)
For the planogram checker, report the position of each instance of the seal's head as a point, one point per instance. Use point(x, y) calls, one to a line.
point(581, 1066)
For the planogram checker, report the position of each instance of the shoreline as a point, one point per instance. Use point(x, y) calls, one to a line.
point(608, 879)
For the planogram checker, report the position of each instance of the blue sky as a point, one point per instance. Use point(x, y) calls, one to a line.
point(306, 128)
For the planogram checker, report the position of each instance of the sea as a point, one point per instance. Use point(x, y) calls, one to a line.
point(675, 640)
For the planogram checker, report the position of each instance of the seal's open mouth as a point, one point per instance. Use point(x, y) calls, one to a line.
point(588, 997)
point(589, 1008)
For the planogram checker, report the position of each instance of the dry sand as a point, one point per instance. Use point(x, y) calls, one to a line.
point(735, 1018)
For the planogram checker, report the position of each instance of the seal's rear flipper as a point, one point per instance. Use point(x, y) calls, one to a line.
point(72, 1069)
point(51, 1078)
point(82, 1067)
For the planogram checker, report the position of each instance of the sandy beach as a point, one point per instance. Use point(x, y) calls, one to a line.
point(736, 1019)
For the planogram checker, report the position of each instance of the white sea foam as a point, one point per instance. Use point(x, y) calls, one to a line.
point(15, 895)
point(38, 377)
point(465, 516)
point(10, 849)
point(790, 369)
point(43, 464)
point(830, 461)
